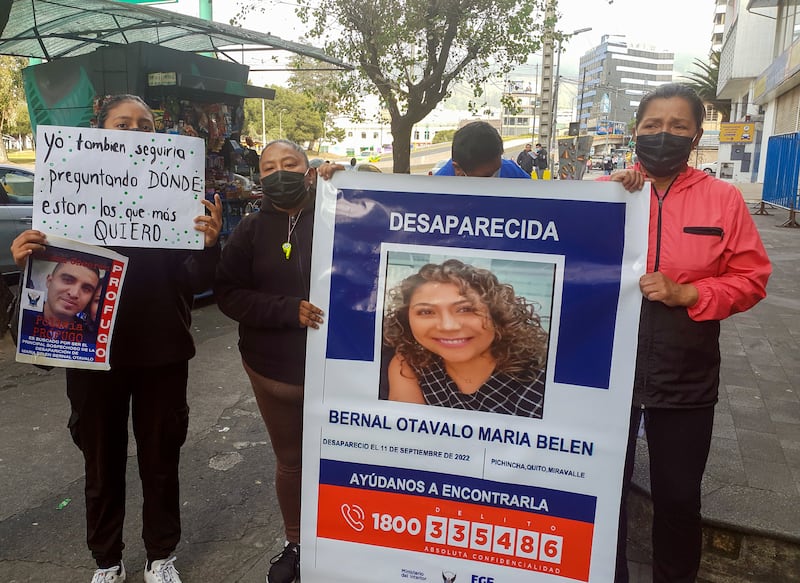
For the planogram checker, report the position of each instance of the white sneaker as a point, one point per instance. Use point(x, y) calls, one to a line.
point(112, 575)
point(162, 571)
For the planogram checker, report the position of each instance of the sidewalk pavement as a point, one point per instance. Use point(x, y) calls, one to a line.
point(231, 522)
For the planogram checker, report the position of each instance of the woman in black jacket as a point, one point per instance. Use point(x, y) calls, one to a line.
point(262, 283)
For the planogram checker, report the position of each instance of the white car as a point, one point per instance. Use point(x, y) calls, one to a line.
point(709, 168)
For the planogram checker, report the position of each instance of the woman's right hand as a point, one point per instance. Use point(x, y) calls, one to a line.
point(632, 180)
point(25, 244)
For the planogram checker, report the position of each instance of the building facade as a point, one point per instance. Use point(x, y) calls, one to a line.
point(613, 77)
point(760, 73)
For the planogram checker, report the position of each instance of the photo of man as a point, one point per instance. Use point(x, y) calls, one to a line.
point(70, 288)
point(68, 305)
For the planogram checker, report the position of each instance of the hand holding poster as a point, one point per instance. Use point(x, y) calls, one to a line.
point(68, 305)
point(467, 407)
point(119, 188)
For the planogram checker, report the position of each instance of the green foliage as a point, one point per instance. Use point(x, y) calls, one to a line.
point(334, 134)
point(443, 136)
point(704, 82)
point(290, 115)
point(13, 110)
point(411, 52)
point(319, 84)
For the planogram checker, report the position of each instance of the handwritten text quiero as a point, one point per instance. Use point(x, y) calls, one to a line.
point(119, 188)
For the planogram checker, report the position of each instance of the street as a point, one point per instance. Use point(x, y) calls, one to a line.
point(231, 522)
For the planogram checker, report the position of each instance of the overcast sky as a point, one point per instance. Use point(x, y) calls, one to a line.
point(681, 26)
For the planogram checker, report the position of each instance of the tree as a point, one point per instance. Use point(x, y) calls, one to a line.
point(12, 96)
point(290, 115)
point(704, 82)
point(319, 85)
point(411, 52)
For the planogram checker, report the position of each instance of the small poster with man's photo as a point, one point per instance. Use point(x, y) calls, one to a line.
point(68, 304)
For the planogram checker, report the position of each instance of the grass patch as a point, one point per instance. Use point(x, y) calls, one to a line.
point(22, 157)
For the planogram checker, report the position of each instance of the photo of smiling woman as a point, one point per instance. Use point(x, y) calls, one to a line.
point(464, 340)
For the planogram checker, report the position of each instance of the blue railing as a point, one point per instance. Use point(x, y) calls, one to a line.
point(782, 171)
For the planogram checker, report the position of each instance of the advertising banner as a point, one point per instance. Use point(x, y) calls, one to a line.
point(119, 188)
point(467, 400)
point(68, 304)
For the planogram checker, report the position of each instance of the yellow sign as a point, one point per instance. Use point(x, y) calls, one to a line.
point(736, 132)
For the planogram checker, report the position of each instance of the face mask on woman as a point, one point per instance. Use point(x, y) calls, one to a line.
point(663, 154)
point(285, 189)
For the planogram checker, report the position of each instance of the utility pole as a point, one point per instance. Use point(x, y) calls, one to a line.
point(580, 107)
point(545, 116)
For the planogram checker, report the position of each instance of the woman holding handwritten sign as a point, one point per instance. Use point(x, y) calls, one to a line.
point(150, 351)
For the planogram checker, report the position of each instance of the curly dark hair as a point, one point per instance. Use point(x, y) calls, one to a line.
point(520, 342)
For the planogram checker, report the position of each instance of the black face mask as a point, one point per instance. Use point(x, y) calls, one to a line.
point(663, 154)
point(285, 189)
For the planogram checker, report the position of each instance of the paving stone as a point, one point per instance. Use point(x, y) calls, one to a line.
point(752, 418)
point(756, 445)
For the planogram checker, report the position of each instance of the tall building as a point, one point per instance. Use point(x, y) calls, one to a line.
point(613, 78)
point(718, 32)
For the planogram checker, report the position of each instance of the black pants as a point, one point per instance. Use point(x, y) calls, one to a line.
point(678, 442)
point(100, 403)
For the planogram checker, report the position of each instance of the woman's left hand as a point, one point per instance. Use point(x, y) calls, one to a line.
point(210, 225)
point(327, 170)
point(657, 287)
point(310, 315)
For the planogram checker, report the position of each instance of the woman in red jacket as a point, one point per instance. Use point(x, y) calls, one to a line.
point(705, 262)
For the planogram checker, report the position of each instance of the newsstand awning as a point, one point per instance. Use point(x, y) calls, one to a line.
point(52, 29)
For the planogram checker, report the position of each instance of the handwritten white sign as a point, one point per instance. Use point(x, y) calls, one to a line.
point(119, 188)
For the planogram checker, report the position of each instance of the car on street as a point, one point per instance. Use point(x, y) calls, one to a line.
point(709, 168)
point(16, 210)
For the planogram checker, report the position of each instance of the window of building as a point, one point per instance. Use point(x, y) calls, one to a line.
point(349, 134)
point(427, 135)
point(416, 134)
point(788, 26)
point(375, 135)
point(711, 113)
point(363, 135)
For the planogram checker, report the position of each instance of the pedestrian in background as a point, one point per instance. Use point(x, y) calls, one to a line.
point(263, 283)
point(150, 351)
point(540, 161)
point(705, 262)
point(525, 159)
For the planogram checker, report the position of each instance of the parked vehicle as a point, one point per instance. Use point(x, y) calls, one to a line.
point(16, 210)
point(709, 168)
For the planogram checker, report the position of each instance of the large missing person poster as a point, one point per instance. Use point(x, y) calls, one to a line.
point(467, 399)
point(68, 304)
point(119, 188)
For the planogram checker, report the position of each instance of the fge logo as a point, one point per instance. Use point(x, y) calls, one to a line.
point(482, 579)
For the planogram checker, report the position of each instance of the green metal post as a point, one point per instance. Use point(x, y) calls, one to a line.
point(206, 10)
